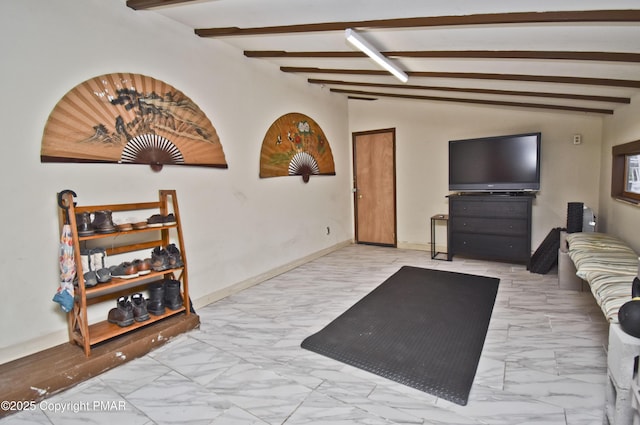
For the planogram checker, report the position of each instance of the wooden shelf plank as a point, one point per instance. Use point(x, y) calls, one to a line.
point(120, 207)
point(103, 331)
point(116, 282)
point(127, 232)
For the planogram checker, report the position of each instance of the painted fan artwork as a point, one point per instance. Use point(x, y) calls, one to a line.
point(130, 118)
point(295, 145)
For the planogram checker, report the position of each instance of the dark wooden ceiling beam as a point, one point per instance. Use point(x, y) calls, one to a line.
point(436, 21)
point(476, 101)
point(581, 97)
point(609, 82)
point(474, 54)
point(285, 54)
point(523, 54)
point(148, 4)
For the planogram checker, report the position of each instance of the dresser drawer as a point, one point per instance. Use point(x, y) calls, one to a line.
point(500, 226)
point(489, 208)
point(490, 246)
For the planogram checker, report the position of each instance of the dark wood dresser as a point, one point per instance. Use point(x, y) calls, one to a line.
point(490, 227)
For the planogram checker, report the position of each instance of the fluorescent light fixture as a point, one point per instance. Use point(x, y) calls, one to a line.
point(362, 44)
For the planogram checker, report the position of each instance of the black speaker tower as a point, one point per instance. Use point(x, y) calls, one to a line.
point(575, 213)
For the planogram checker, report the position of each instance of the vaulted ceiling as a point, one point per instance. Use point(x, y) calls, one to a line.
point(573, 56)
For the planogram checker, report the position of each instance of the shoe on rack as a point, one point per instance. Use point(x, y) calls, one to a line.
point(98, 256)
point(139, 306)
point(83, 224)
point(90, 259)
point(86, 259)
point(159, 220)
point(124, 270)
point(155, 302)
point(90, 278)
point(175, 258)
point(169, 219)
point(88, 268)
point(122, 315)
point(159, 259)
point(124, 227)
point(156, 220)
point(143, 266)
point(172, 297)
point(102, 222)
point(139, 225)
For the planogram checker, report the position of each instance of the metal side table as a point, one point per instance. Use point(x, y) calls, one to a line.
point(438, 218)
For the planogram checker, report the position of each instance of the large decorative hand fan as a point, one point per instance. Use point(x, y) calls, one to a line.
point(295, 145)
point(130, 118)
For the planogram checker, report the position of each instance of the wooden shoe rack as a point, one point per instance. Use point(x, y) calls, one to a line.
point(139, 243)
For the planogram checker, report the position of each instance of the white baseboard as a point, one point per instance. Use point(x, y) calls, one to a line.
point(35, 345)
point(414, 246)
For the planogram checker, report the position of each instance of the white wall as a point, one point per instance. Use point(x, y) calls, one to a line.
point(569, 173)
point(237, 227)
point(620, 218)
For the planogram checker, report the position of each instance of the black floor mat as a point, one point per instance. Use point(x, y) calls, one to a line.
point(422, 328)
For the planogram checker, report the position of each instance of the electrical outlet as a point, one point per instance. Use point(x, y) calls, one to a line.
point(577, 139)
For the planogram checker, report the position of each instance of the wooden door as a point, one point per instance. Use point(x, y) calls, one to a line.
point(375, 187)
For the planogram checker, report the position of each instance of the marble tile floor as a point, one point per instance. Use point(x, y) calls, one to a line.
point(544, 359)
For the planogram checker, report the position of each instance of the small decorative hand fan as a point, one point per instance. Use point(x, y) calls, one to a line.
point(130, 118)
point(295, 145)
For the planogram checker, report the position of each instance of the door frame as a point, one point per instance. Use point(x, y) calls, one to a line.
point(354, 183)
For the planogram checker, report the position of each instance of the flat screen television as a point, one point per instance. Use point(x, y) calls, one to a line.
point(495, 164)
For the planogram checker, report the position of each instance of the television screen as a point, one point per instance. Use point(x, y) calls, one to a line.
point(495, 164)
